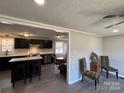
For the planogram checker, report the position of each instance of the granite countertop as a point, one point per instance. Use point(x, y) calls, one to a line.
point(25, 58)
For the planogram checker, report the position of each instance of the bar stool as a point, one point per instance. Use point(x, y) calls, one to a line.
point(35, 69)
point(18, 72)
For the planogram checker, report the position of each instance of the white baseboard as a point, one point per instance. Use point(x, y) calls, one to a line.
point(122, 76)
point(113, 73)
point(75, 81)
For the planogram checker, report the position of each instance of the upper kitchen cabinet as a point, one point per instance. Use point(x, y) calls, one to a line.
point(21, 43)
point(25, 43)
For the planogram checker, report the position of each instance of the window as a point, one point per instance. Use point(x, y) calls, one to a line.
point(7, 44)
point(59, 47)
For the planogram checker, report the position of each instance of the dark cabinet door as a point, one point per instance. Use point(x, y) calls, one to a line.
point(25, 43)
point(35, 41)
point(46, 44)
point(4, 63)
point(21, 43)
point(47, 58)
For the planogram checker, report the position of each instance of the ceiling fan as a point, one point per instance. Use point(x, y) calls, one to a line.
point(113, 16)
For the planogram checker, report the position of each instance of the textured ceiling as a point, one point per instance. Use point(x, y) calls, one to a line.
point(82, 15)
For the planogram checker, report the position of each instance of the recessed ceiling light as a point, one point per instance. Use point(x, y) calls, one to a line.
point(26, 35)
point(39, 2)
point(5, 22)
point(59, 36)
point(115, 30)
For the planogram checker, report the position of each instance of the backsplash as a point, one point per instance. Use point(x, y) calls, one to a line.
point(25, 52)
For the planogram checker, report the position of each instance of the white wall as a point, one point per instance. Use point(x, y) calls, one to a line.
point(114, 47)
point(81, 45)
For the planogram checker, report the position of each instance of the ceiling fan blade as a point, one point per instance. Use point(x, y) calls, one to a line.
point(109, 16)
point(109, 26)
point(112, 16)
point(119, 23)
point(114, 24)
point(121, 15)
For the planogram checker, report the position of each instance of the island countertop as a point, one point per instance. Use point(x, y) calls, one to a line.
point(25, 58)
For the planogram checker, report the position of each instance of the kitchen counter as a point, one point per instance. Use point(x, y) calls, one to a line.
point(23, 54)
point(5, 64)
point(25, 58)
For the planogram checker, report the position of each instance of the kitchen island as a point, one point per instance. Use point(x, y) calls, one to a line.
point(4, 59)
point(23, 68)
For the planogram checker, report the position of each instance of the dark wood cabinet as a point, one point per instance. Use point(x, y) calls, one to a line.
point(22, 43)
point(35, 41)
point(47, 58)
point(4, 63)
point(46, 44)
point(25, 43)
point(42, 43)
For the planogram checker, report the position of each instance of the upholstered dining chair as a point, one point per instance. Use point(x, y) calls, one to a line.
point(94, 60)
point(105, 65)
point(90, 74)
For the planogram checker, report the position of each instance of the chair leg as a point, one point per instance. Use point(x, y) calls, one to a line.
point(57, 70)
point(117, 74)
point(101, 70)
point(107, 73)
point(54, 67)
point(97, 80)
point(30, 79)
point(24, 77)
point(25, 81)
point(39, 72)
point(82, 78)
point(39, 77)
point(95, 84)
point(13, 84)
point(24, 73)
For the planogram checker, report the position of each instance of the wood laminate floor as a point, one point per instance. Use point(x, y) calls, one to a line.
point(51, 83)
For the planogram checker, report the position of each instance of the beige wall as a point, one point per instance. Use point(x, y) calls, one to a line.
point(82, 45)
point(114, 47)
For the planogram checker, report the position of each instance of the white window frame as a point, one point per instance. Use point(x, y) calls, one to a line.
point(57, 51)
point(7, 44)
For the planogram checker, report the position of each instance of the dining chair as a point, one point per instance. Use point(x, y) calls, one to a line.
point(94, 75)
point(106, 66)
point(94, 60)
